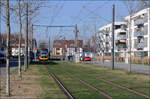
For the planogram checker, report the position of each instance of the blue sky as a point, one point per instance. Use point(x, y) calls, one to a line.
point(83, 13)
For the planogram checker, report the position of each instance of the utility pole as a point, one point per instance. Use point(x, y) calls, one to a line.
point(49, 47)
point(112, 52)
point(76, 56)
point(26, 40)
point(95, 37)
point(76, 38)
point(0, 32)
point(8, 50)
point(32, 37)
point(20, 36)
point(130, 43)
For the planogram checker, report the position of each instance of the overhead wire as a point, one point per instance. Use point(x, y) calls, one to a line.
point(87, 15)
point(53, 18)
point(79, 14)
point(57, 13)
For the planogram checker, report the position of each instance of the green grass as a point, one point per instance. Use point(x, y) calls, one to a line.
point(119, 78)
point(80, 70)
point(142, 64)
point(50, 88)
point(78, 90)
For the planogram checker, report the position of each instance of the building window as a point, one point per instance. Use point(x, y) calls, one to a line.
point(117, 26)
point(57, 53)
point(57, 48)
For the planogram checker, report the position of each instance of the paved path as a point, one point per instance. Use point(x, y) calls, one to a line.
point(134, 67)
point(13, 65)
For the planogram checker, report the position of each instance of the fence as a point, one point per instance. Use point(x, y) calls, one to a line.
point(135, 59)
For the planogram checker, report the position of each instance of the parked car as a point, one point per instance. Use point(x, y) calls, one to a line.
point(2, 57)
point(87, 59)
point(15, 52)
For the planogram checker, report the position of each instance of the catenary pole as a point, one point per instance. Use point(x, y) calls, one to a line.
point(76, 37)
point(112, 52)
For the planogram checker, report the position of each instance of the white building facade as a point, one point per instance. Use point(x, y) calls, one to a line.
point(104, 38)
point(139, 33)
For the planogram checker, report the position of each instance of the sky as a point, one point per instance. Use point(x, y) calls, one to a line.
point(88, 15)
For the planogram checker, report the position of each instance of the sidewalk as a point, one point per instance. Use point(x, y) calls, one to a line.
point(134, 67)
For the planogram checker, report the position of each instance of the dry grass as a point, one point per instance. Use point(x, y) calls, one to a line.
point(35, 84)
point(146, 60)
point(27, 88)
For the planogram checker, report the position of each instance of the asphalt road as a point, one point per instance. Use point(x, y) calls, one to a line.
point(134, 67)
point(13, 65)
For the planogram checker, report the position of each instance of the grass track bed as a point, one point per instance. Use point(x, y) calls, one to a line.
point(104, 73)
point(116, 92)
point(78, 90)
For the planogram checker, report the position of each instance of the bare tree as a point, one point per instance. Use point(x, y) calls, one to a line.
point(132, 7)
point(18, 10)
point(20, 36)
point(94, 44)
point(145, 3)
point(8, 50)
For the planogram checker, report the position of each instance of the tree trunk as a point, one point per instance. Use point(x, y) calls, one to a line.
point(8, 50)
point(26, 40)
point(20, 36)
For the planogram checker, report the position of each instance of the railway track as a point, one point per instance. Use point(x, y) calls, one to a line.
point(68, 93)
point(61, 85)
point(125, 80)
point(96, 89)
point(138, 84)
point(117, 85)
point(90, 86)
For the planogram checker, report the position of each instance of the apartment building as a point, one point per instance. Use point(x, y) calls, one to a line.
point(104, 38)
point(139, 33)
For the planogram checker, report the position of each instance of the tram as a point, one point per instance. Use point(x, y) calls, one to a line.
point(43, 55)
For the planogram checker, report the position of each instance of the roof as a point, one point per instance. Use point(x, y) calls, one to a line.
point(110, 24)
point(14, 40)
point(66, 43)
point(137, 13)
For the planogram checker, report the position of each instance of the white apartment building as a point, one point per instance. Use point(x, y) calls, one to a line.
point(104, 39)
point(139, 33)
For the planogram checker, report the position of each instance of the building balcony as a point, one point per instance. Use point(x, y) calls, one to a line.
point(106, 32)
point(107, 48)
point(107, 40)
point(141, 31)
point(120, 37)
point(139, 46)
point(122, 32)
point(99, 40)
point(120, 42)
point(123, 27)
point(120, 49)
point(140, 21)
point(139, 34)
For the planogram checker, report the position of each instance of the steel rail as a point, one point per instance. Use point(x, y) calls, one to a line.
point(61, 85)
point(101, 92)
point(118, 85)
